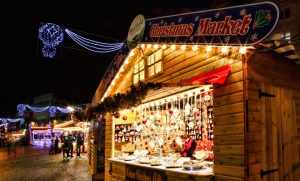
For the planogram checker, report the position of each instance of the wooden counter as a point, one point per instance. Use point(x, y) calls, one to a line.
point(132, 170)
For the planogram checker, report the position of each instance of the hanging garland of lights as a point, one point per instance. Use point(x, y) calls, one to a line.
point(21, 108)
point(129, 99)
point(52, 35)
point(4, 120)
point(94, 46)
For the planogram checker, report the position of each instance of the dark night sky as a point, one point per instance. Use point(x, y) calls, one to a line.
point(75, 74)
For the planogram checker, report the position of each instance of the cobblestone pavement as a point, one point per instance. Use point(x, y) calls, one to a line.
point(35, 164)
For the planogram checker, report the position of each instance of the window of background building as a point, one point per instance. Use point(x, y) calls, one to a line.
point(139, 71)
point(286, 36)
point(154, 62)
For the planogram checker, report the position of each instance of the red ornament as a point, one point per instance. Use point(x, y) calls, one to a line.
point(144, 121)
point(124, 118)
point(170, 111)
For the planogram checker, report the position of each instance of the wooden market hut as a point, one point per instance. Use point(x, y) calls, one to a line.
point(256, 110)
point(256, 105)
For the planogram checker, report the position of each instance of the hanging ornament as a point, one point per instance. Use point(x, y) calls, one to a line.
point(124, 118)
point(144, 120)
point(117, 115)
point(148, 123)
point(207, 97)
point(191, 124)
point(176, 112)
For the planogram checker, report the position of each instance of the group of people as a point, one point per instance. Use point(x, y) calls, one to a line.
point(68, 144)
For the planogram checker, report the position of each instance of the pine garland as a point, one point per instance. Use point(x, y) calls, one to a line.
point(120, 101)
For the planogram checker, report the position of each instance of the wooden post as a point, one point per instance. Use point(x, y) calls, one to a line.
point(108, 145)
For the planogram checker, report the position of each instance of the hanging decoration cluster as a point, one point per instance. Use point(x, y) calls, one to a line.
point(21, 108)
point(129, 99)
point(52, 35)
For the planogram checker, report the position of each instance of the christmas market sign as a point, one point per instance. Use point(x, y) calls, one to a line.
point(136, 31)
point(238, 25)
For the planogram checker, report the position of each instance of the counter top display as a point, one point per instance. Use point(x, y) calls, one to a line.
point(165, 168)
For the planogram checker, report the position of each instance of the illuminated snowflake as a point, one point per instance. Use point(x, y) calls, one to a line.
point(227, 39)
point(196, 18)
point(51, 35)
point(253, 37)
point(179, 20)
point(243, 12)
point(217, 14)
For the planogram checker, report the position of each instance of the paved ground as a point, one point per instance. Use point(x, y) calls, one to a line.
point(35, 164)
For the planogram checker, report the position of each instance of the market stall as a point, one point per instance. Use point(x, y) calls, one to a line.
point(175, 83)
point(71, 127)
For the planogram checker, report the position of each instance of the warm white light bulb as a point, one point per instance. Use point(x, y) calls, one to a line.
point(242, 50)
point(224, 49)
point(164, 46)
point(156, 46)
point(183, 47)
point(195, 48)
point(149, 46)
point(173, 47)
point(142, 45)
point(208, 49)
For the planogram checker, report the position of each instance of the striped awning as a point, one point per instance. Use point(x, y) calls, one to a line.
point(283, 48)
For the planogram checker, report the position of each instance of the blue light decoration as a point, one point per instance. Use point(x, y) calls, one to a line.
point(52, 111)
point(92, 45)
point(21, 108)
point(51, 35)
point(4, 120)
point(64, 110)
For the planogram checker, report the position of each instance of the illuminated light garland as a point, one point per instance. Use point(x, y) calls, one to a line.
point(4, 120)
point(52, 109)
point(51, 35)
point(91, 47)
point(95, 46)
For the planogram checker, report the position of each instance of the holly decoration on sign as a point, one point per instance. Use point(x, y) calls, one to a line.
point(262, 18)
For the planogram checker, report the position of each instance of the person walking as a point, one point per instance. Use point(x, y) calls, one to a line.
point(56, 145)
point(79, 143)
point(70, 144)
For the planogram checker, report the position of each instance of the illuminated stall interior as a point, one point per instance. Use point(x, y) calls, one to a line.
point(176, 109)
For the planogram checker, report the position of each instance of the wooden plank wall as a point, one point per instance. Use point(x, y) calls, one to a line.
point(108, 145)
point(270, 137)
point(229, 161)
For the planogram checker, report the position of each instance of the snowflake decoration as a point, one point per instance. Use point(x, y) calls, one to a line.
point(227, 39)
point(217, 14)
point(243, 12)
point(51, 35)
point(150, 23)
point(161, 22)
point(179, 20)
point(253, 37)
point(191, 38)
point(196, 18)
